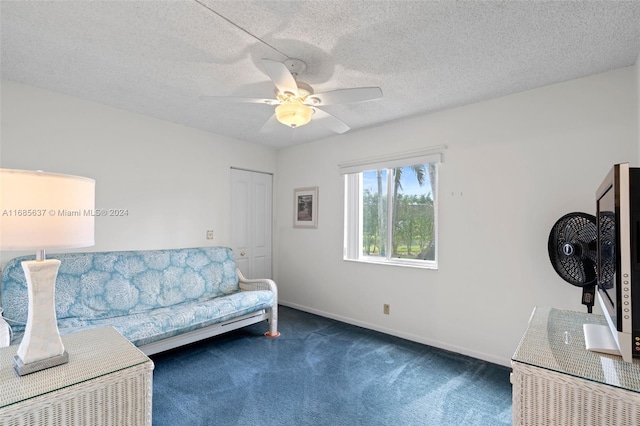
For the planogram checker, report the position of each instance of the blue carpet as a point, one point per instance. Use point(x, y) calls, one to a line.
point(324, 372)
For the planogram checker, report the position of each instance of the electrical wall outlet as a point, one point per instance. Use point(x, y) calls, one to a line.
point(210, 235)
point(385, 309)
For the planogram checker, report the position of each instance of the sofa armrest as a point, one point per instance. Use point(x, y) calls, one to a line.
point(247, 284)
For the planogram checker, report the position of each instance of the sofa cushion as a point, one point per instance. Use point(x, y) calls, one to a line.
point(161, 323)
point(101, 285)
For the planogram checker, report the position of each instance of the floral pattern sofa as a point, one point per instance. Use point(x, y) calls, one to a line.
point(158, 299)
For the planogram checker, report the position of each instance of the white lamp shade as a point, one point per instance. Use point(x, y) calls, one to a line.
point(45, 210)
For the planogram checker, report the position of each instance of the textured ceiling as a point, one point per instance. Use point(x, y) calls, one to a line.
point(157, 57)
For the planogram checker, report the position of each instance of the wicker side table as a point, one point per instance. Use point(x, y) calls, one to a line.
point(556, 381)
point(107, 381)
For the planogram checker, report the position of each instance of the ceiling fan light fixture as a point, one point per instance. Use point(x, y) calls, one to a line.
point(293, 114)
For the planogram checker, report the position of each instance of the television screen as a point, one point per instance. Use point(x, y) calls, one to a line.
point(607, 253)
point(618, 215)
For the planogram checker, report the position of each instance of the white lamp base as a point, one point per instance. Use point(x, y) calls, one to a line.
point(22, 368)
point(41, 346)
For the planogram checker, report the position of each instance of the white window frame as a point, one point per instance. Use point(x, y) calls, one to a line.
point(353, 226)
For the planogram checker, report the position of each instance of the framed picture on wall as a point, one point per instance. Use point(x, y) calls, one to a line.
point(305, 205)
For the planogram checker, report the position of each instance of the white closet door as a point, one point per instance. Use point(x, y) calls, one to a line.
point(251, 222)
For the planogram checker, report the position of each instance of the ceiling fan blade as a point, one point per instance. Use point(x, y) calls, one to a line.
point(331, 122)
point(240, 100)
point(345, 96)
point(272, 124)
point(281, 77)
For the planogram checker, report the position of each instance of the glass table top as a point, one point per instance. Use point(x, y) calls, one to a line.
point(554, 340)
point(92, 353)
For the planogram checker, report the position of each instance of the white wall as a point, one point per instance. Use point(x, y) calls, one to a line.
point(637, 81)
point(513, 167)
point(173, 180)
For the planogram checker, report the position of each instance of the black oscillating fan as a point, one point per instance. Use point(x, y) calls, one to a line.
point(573, 252)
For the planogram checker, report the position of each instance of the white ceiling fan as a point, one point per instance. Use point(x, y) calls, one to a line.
point(296, 103)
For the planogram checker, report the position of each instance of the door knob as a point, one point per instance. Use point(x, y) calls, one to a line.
point(241, 253)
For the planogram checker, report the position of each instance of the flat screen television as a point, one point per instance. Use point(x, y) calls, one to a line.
point(618, 265)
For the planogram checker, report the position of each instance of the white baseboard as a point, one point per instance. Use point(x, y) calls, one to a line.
point(435, 343)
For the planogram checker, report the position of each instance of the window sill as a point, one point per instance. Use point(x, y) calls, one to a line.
point(405, 263)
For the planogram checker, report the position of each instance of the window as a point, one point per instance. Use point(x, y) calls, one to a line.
point(391, 210)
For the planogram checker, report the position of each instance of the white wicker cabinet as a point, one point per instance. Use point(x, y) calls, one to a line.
point(556, 381)
point(107, 381)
